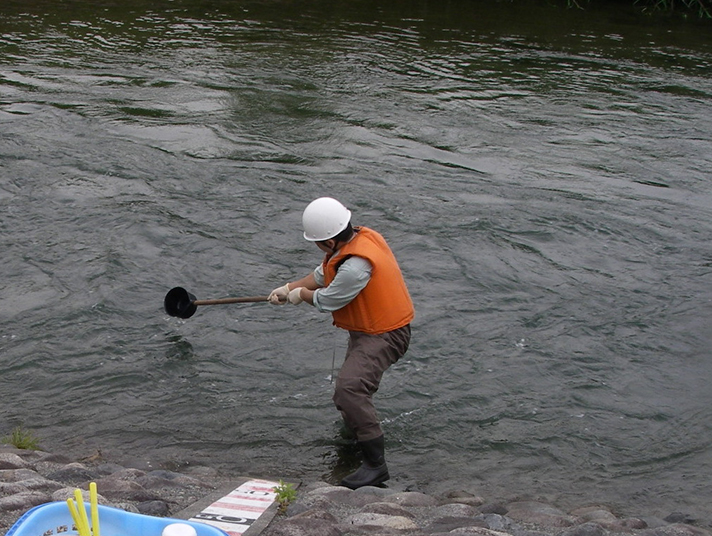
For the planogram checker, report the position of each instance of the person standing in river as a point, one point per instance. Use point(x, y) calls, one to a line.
point(360, 283)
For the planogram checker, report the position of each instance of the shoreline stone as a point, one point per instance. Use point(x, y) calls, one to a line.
point(30, 478)
point(325, 510)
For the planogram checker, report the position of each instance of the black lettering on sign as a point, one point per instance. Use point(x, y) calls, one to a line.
point(255, 492)
point(224, 519)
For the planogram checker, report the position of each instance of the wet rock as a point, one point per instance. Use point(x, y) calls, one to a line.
point(357, 500)
point(385, 508)
point(595, 513)
point(40, 484)
point(381, 521)
point(318, 502)
point(73, 473)
point(540, 514)
point(17, 475)
point(677, 529)
point(317, 514)
point(475, 531)
point(463, 497)
point(23, 501)
point(630, 523)
point(40, 477)
point(9, 460)
point(679, 517)
point(108, 469)
point(585, 529)
point(494, 508)
point(153, 508)
point(499, 523)
point(450, 523)
point(126, 491)
point(11, 488)
point(126, 474)
point(456, 509)
point(411, 498)
point(319, 510)
point(64, 493)
point(303, 527)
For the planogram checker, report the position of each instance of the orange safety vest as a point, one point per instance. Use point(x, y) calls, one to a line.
point(384, 303)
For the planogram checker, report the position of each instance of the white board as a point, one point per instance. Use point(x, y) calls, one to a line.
point(238, 510)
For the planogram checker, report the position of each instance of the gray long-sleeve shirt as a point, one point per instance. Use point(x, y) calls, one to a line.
point(353, 275)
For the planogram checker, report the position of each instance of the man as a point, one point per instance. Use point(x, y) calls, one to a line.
point(361, 285)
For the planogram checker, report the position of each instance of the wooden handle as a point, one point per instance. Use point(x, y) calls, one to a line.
point(249, 299)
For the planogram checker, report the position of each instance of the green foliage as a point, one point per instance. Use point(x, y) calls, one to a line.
point(285, 494)
point(682, 7)
point(702, 7)
point(22, 439)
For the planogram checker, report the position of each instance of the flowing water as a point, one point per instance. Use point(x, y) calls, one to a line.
point(542, 173)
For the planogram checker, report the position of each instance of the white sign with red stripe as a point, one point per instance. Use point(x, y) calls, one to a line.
point(236, 511)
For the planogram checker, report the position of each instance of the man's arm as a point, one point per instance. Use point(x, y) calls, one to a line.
point(279, 295)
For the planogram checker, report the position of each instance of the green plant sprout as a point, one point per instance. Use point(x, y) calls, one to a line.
point(285, 494)
point(22, 439)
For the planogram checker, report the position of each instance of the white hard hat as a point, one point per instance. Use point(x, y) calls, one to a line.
point(324, 218)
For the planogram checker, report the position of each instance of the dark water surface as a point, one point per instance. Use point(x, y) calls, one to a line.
point(543, 174)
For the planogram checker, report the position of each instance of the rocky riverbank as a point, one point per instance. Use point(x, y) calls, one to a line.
point(29, 478)
point(325, 510)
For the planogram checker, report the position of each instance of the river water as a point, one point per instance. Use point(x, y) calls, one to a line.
point(542, 173)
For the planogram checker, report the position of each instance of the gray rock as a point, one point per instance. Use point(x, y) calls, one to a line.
point(127, 474)
point(23, 501)
point(498, 523)
point(595, 513)
point(631, 523)
point(40, 484)
point(317, 514)
point(9, 460)
point(303, 527)
point(585, 529)
point(10, 488)
point(411, 498)
point(359, 500)
point(389, 509)
point(476, 531)
point(679, 517)
point(463, 497)
point(494, 508)
point(17, 475)
point(106, 469)
point(381, 521)
point(540, 514)
point(370, 490)
point(456, 509)
point(676, 529)
point(64, 493)
point(153, 508)
point(73, 473)
point(448, 524)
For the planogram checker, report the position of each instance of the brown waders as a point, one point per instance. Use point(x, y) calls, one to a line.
point(367, 358)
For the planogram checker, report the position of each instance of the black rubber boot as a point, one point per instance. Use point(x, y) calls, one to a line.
point(373, 470)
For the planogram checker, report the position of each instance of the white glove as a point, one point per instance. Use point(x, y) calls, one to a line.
point(279, 295)
point(294, 297)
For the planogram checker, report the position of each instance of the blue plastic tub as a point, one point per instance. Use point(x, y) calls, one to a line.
point(54, 519)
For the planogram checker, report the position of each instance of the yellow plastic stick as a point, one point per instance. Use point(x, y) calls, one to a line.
point(75, 515)
point(84, 530)
point(94, 509)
